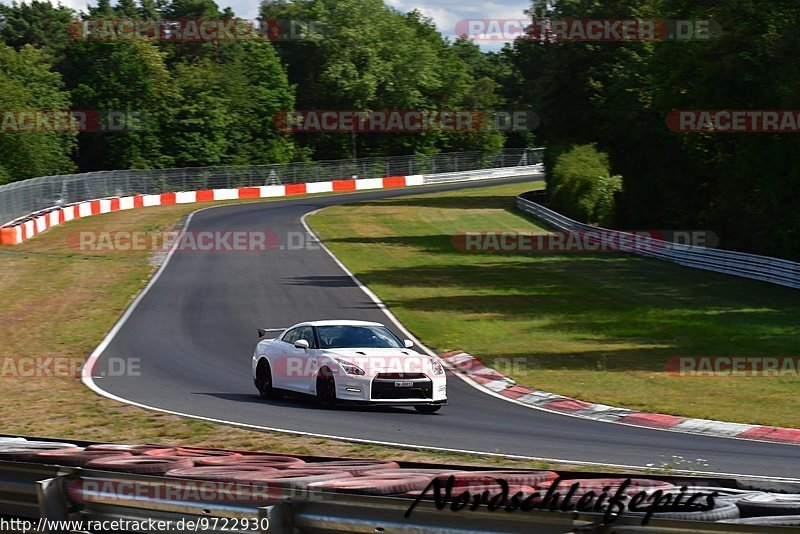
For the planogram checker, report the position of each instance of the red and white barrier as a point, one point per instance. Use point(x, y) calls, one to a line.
point(27, 227)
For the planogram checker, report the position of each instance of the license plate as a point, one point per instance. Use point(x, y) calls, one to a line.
point(403, 384)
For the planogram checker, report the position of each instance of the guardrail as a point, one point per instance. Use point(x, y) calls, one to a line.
point(36, 490)
point(763, 268)
point(32, 224)
point(21, 198)
point(484, 174)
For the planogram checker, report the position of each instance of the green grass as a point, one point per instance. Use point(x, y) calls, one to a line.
point(599, 327)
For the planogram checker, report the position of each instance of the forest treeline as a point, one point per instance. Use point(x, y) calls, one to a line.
point(602, 106)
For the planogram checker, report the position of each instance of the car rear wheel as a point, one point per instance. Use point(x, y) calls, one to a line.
point(326, 388)
point(427, 409)
point(264, 380)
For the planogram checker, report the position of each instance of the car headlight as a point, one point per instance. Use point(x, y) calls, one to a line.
point(438, 369)
point(349, 368)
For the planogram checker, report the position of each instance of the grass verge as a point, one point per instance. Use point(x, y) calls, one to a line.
point(598, 327)
point(59, 301)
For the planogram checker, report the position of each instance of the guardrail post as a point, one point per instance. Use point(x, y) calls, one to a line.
point(52, 496)
point(280, 518)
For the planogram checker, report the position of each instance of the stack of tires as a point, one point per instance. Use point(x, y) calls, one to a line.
point(284, 472)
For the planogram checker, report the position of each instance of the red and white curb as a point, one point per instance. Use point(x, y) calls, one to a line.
point(472, 369)
point(27, 227)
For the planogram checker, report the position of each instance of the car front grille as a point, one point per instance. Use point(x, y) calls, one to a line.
point(399, 376)
point(385, 388)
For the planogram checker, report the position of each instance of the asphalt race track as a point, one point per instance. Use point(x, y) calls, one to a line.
point(195, 330)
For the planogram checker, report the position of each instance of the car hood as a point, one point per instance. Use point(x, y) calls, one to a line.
point(374, 361)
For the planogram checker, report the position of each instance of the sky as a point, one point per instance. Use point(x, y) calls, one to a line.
point(445, 13)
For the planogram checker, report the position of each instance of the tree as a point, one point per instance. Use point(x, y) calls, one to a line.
point(39, 24)
point(617, 95)
point(582, 187)
point(128, 77)
point(27, 84)
point(371, 57)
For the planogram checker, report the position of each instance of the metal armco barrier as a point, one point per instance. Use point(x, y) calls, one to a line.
point(763, 268)
point(536, 169)
point(21, 198)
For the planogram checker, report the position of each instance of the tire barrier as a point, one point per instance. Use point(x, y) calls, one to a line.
point(492, 488)
point(769, 505)
point(756, 504)
point(219, 473)
point(76, 457)
point(386, 484)
point(722, 511)
point(265, 460)
point(773, 521)
point(190, 452)
point(354, 467)
point(41, 445)
point(26, 451)
point(255, 476)
point(600, 485)
point(141, 465)
point(291, 478)
point(414, 471)
point(114, 447)
point(4, 441)
point(728, 494)
point(480, 478)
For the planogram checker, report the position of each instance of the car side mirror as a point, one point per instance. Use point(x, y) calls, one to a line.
point(302, 344)
point(408, 343)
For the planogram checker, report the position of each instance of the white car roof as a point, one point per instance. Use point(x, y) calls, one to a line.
point(338, 323)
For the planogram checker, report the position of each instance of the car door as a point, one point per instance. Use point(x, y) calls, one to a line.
point(301, 363)
point(279, 359)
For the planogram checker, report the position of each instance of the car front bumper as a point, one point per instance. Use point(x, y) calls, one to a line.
point(393, 391)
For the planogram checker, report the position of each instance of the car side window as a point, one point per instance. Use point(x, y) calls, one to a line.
point(307, 333)
point(301, 332)
point(291, 336)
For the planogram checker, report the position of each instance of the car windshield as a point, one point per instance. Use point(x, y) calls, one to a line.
point(375, 337)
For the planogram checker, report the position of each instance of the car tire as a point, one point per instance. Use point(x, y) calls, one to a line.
point(326, 388)
point(427, 409)
point(264, 380)
point(769, 505)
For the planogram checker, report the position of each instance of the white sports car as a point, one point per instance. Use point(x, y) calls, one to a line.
point(348, 361)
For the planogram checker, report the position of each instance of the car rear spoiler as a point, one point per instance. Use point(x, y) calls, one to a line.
point(263, 331)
